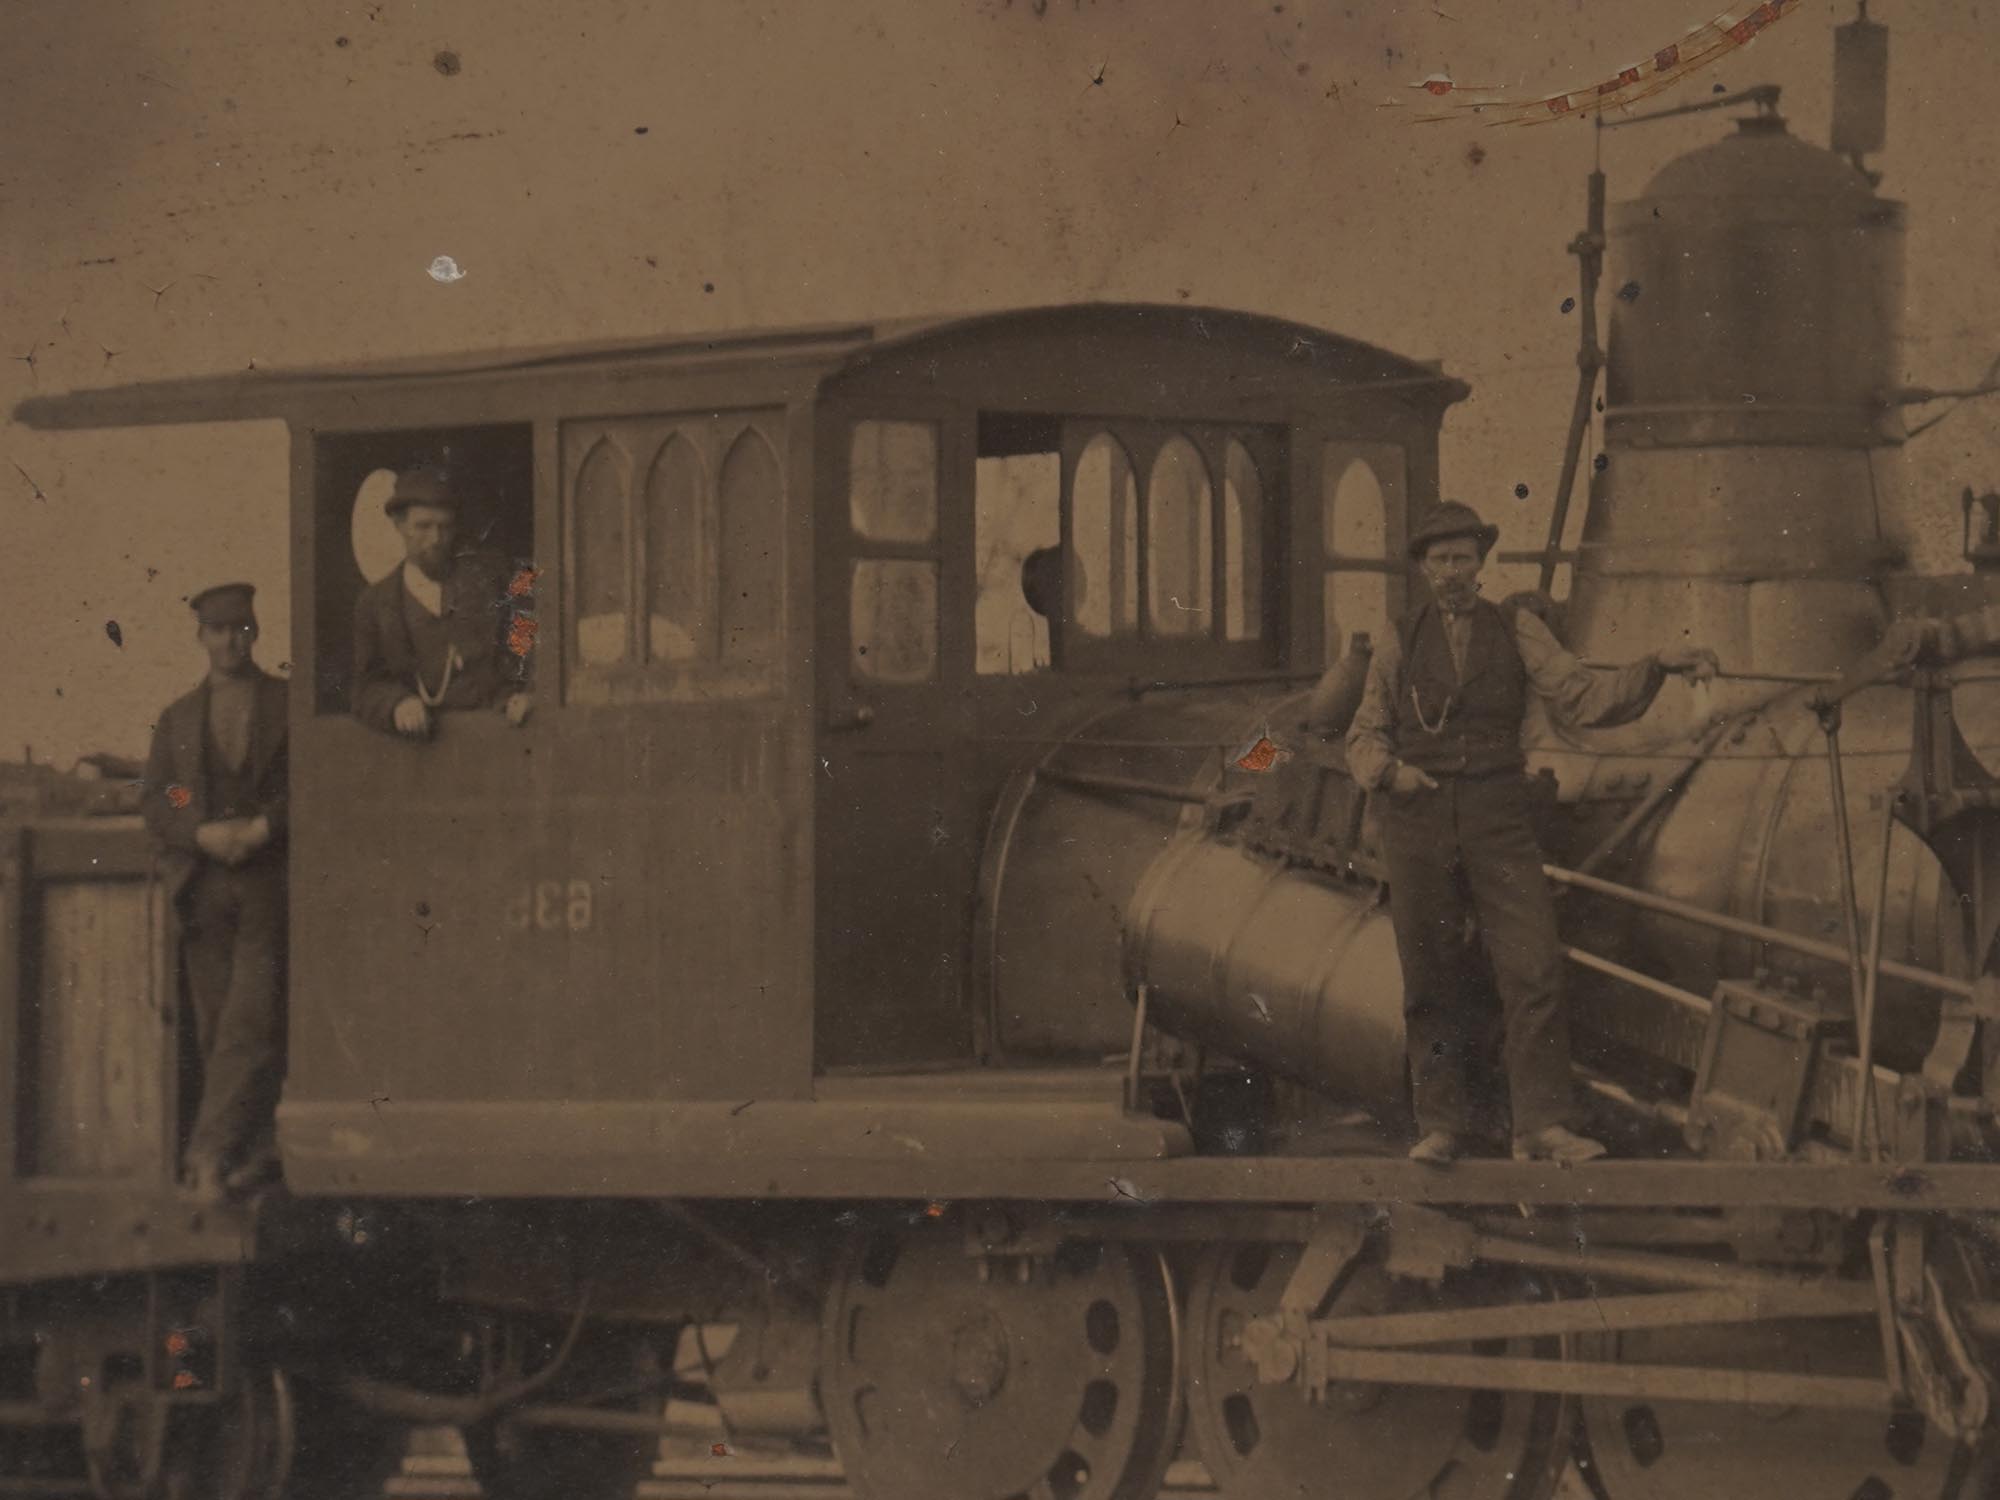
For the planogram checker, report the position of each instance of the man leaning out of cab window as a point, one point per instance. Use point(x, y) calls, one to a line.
point(432, 636)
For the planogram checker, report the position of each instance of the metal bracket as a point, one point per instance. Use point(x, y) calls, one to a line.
point(1757, 1064)
point(1926, 1360)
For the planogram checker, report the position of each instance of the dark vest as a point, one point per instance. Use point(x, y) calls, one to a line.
point(232, 793)
point(232, 790)
point(475, 682)
point(1476, 724)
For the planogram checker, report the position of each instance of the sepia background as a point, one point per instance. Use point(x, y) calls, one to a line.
point(199, 186)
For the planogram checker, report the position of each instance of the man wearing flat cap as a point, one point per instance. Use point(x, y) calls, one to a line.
point(1438, 740)
point(432, 636)
point(214, 800)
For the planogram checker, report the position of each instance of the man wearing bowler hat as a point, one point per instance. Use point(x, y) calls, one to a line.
point(432, 636)
point(1438, 739)
point(214, 800)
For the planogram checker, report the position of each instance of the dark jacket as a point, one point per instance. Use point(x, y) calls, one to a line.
point(478, 613)
point(174, 797)
point(1477, 721)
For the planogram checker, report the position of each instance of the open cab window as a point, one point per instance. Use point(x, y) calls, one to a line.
point(355, 543)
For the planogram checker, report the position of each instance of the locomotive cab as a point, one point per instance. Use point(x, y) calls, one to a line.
point(800, 611)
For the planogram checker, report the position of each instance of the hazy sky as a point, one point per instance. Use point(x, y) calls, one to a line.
point(190, 187)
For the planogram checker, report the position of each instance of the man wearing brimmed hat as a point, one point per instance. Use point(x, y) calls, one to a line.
point(432, 636)
point(1438, 738)
point(214, 799)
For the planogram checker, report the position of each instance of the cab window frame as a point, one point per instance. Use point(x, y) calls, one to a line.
point(729, 647)
point(1358, 555)
point(1145, 648)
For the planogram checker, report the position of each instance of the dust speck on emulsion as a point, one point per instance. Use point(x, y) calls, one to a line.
point(445, 269)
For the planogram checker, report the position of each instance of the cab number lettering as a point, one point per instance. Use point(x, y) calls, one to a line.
point(552, 906)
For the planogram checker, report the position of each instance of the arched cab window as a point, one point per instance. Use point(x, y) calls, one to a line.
point(1362, 486)
point(1165, 534)
point(674, 551)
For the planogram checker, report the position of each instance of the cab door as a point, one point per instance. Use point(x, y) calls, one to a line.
point(895, 845)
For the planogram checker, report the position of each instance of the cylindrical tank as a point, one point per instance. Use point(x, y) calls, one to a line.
point(1757, 288)
point(1279, 966)
point(1068, 845)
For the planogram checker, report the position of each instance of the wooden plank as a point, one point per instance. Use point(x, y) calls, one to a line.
point(800, 1149)
point(99, 1034)
point(52, 1229)
point(89, 849)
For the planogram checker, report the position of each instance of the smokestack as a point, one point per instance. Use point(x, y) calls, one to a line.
point(1860, 86)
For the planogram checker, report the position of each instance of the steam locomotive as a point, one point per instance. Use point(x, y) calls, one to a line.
point(905, 969)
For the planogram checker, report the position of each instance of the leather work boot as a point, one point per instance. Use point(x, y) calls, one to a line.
point(1559, 1144)
point(1440, 1148)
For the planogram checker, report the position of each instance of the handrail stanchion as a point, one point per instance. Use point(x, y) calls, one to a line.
point(1864, 1021)
point(1829, 723)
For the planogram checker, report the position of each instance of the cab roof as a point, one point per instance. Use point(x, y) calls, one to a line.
point(826, 350)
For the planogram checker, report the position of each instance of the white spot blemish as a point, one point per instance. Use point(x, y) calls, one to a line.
point(444, 269)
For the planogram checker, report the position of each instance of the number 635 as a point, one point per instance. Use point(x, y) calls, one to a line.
point(552, 906)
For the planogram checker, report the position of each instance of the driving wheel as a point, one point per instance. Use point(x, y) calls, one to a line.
point(1362, 1440)
point(949, 1376)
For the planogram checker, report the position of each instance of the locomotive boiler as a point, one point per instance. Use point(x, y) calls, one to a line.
point(926, 936)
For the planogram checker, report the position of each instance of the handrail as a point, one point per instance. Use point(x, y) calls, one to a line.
point(1798, 679)
point(1778, 937)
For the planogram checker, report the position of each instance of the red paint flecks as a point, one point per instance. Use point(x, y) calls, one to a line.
point(177, 1344)
point(184, 1380)
point(933, 1210)
point(721, 1450)
point(521, 635)
point(523, 583)
point(180, 796)
point(1259, 757)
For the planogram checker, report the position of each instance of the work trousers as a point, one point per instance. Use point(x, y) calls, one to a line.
point(233, 944)
point(1467, 849)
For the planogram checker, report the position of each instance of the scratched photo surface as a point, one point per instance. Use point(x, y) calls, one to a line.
point(1000, 750)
